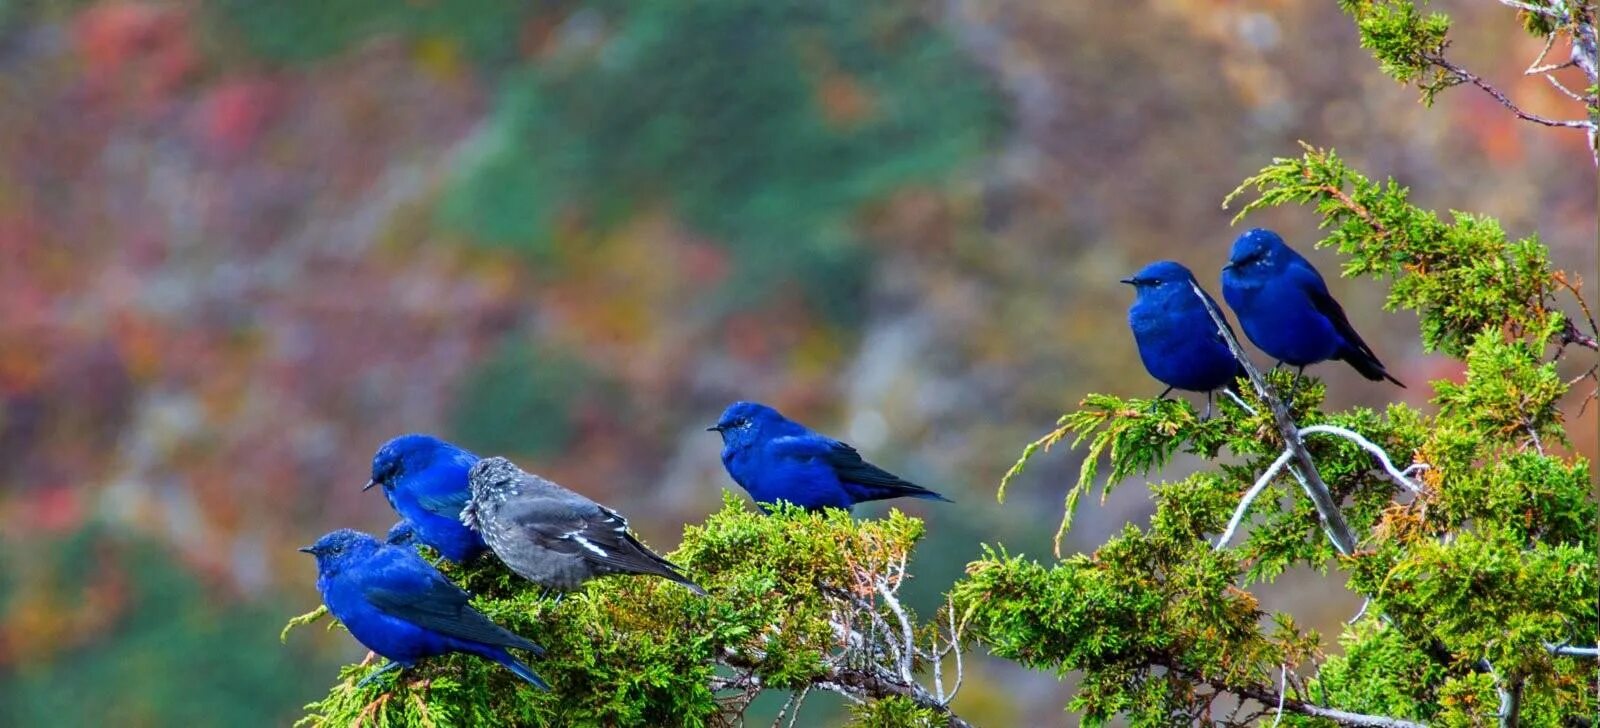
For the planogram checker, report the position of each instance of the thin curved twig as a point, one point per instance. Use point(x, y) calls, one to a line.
point(1250, 496)
point(1377, 452)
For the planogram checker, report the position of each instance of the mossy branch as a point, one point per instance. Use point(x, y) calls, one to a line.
point(797, 601)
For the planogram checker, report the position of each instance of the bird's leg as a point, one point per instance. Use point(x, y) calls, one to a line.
point(375, 673)
point(1209, 397)
point(1295, 387)
point(1156, 403)
point(546, 592)
point(368, 659)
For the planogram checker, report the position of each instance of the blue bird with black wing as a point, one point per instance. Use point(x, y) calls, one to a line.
point(777, 459)
point(1286, 310)
point(405, 610)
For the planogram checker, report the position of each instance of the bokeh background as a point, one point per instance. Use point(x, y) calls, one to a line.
point(242, 243)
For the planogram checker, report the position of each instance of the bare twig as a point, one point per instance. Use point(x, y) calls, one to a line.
point(1529, 7)
point(885, 593)
point(1462, 75)
point(1360, 612)
point(1283, 692)
point(1592, 653)
point(1239, 401)
point(1377, 452)
point(1342, 717)
point(1250, 496)
point(955, 644)
point(1511, 704)
point(793, 703)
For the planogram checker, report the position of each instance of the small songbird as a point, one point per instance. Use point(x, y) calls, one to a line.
point(776, 459)
point(400, 607)
point(401, 534)
point(1285, 308)
point(1177, 340)
point(552, 536)
point(425, 480)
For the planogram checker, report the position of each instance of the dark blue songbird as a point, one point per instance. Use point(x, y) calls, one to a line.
point(1285, 308)
point(776, 459)
point(425, 480)
point(1178, 342)
point(402, 533)
point(405, 610)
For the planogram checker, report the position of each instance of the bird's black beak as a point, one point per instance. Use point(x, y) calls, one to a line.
point(307, 550)
point(1129, 281)
point(368, 486)
point(714, 428)
point(1228, 265)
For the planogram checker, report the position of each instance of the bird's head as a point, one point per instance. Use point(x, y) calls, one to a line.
point(1257, 252)
point(488, 477)
point(1162, 277)
point(401, 534)
point(745, 422)
point(407, 454)
point(338, 548)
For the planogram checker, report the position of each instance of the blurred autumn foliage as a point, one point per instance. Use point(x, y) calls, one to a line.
point(242, 243)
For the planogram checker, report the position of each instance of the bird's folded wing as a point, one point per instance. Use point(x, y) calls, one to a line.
point(432, 602)
point(1317, 291)
point(446, 505)
point(580, 528)
point(843, 459)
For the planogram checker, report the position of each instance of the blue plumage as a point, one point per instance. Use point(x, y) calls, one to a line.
point(1286, 310)
point(776, 459)
point(425, 480)
point(1177, 340)
point(405, 610)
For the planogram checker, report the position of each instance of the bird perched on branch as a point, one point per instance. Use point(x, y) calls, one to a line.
point(425, 480)
point(402, 533)
point(405, 610)
point(552, 536)
point(776, 459)
point(1285, 308)
point(1177, 340)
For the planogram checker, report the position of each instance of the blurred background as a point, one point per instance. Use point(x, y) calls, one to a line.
point(243, 243)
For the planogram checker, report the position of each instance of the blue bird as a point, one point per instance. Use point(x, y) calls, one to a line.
point(425, 480)
point(776, 459)
point(402, 533)
point(400, 607)
point(1177, 340)
point(1285, 308)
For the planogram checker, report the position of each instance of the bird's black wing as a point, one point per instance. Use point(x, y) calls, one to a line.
point(1364, 359)
point(848, 465)
point(428, 600)
point(580, 527)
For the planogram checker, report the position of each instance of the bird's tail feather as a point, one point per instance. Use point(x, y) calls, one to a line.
point(863, 493)
point(1370, 367)
point(524, 672)
point(691, 586)
point(660, 566)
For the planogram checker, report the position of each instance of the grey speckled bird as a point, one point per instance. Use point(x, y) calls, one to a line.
point(552, 536)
